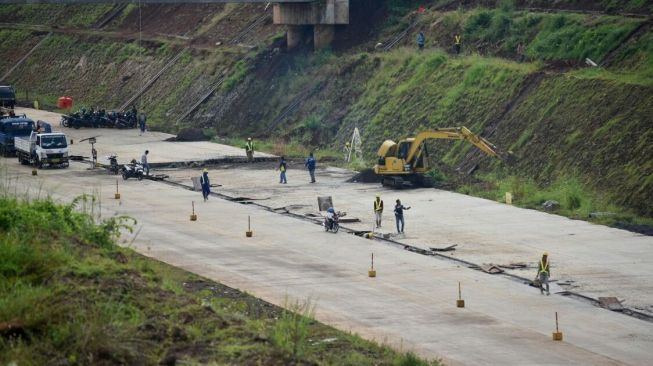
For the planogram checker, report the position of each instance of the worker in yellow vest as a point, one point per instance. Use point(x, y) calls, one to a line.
point(378, 210)
point(249, 150)
point(544, 273)
point(457, 41)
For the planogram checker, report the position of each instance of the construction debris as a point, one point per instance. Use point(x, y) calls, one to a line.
point(445, 249)
point(611, 303)
point(519, 265)
point(491, 268)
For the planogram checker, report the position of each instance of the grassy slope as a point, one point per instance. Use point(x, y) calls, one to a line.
point(394, 94)
point(69, 295)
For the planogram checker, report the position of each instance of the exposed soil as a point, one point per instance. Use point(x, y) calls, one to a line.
point(174, 19)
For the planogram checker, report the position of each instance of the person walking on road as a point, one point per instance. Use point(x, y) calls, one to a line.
point(399, 216)
point(146, 166)
point(282, 169)
point(378, 210)
point(249, 150)
point(457, 43)
point(544, 273)
point(420, 40)
point(206, 184)
point(310, 165)
point(142, 119)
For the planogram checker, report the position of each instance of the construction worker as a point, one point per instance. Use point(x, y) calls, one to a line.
point(399, 216)
point(544, 273)
point(282, 169)
point(457, 41)
point(206, 184)
point(378, 210)
point(347, 151)
point(249, 150)
point(310, 165)
point(94, 156)
point(146, 166)
point(141, 123)
point(420, 40)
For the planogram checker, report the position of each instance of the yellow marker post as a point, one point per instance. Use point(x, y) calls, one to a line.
point(193, 216)
point(117, 195)
point(372, 271)
point(508, 198)
point(460, 302)
point(557, 335)
point(249, 232)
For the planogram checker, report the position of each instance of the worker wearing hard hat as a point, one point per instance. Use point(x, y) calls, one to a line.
point(544, 273)
point(249, 150)
point(378, 210)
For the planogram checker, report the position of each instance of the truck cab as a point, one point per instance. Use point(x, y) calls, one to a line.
point(7, 96)
point(12, 126)
point(43, 148)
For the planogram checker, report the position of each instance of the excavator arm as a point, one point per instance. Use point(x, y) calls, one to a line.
point(452, 133)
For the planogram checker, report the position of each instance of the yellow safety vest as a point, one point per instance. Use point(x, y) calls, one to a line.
point(544, 267)
point(457, 39)
point(249, 146)
point(377, 205)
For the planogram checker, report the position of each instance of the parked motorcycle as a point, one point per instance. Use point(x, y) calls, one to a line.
point(132, 170)
point(113, 164)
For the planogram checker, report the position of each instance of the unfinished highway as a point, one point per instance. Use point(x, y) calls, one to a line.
point(411, 304)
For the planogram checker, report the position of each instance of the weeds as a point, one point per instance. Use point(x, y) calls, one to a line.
point(290, 332)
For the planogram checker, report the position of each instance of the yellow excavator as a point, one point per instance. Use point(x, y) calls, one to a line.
point(403, 164)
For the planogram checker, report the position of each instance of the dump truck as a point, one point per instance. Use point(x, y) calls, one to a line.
point(40, 149)
point(12, 126)
point(404, 164)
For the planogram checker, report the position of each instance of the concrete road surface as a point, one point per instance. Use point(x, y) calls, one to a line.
point(411, 304)
point(595, 260)
point(128, 144)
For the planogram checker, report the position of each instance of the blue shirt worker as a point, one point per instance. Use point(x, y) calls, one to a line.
point(282, 169)
point(206, 184)
point(399, 216)
point(142, 119)
point(310, 165)
point(420, 40)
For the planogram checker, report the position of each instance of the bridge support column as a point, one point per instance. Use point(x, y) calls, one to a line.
point(294, 35)
point(323, 35)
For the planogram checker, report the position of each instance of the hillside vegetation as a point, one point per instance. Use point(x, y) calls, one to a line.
point(70, 296)
point(521, 80)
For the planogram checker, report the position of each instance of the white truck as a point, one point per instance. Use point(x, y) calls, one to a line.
point(40, 149)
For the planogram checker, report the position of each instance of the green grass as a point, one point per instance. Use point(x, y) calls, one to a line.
point(73, 296)
point(575, 198)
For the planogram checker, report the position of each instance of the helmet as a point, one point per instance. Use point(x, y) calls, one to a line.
point(546, 254)
point(206, 170)
point(378, 195)
point(249, 139)
point(330, 209)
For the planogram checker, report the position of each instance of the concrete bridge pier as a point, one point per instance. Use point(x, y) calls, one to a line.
point(320, 17)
